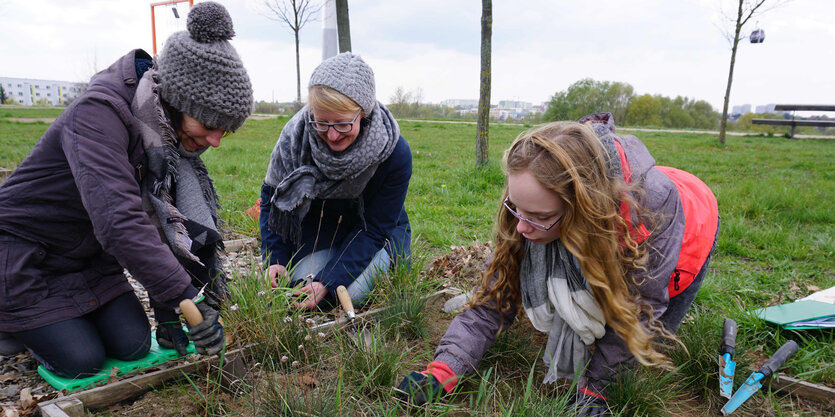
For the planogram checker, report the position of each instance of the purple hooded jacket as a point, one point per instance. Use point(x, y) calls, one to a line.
point(71, 214)
point(474, 330)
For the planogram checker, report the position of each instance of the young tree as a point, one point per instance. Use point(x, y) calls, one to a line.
point(343, 26)
point(746, 9)
point(295, 14)
point(482, 142)
point(2, 95)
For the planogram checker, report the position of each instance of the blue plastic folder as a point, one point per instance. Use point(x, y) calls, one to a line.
point(800, 315)
point(156, 356)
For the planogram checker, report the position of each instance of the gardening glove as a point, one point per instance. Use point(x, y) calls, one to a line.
point(208, 335)
point(588, 403)
point(170, 332)
point(422, 387)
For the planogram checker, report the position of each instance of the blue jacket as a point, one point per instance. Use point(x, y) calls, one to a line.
point(354, 243)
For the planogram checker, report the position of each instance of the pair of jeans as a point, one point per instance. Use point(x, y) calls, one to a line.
point(78, 347)
point(362, 286)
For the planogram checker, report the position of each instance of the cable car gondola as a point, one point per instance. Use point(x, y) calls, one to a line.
point(757, 36)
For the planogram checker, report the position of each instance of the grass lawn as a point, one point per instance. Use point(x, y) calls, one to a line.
point(776, 244)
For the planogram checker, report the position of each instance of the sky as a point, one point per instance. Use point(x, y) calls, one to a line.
point(539, 47)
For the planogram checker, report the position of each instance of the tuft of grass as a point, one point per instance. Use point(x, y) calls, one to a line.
point(371, 368)
point(259, 314)
point(643, 392)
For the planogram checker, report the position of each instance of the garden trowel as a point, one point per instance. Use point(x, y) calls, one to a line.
point(755, 381)
point(360, 336)
point(727, 366)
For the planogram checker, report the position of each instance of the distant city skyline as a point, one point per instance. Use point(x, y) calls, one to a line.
point(538, 48)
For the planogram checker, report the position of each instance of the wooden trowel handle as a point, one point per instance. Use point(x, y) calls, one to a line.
point(193, 316)
point(345, 300)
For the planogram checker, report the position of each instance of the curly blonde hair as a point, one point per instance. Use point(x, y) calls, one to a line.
point(569, 159)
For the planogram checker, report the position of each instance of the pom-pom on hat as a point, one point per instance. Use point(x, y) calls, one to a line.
point(351, 76)
point(202, 75)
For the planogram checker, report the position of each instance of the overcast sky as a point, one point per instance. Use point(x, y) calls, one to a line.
point(540, 47)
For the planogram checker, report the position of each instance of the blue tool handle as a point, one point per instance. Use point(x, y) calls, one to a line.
point(728, 337)
point(779, 358)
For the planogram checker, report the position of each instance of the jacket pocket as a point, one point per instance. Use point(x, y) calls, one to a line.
point(22, 282)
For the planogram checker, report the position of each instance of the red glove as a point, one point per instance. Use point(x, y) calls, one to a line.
point(443, 374)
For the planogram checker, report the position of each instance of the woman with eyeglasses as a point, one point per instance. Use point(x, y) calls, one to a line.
point(332, 208)
point(603, 250)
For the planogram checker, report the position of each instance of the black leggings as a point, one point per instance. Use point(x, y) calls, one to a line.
point(77, 347)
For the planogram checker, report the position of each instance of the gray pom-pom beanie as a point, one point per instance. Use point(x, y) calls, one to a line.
point(351, 76)
point(202, 75)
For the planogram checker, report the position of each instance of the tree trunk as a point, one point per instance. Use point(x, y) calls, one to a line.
point(343, 26)
point(724, 124)
point(298, 73)
point(482, 136)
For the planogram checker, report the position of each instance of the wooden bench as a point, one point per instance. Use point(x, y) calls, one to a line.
point(798, 122)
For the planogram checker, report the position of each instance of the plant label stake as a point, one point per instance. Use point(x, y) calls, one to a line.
point(727, 366)
point(348, 306)
point(755, 381)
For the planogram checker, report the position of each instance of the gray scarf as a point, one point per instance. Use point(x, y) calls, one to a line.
point(177, 192)
point(303, 168)
point(557, 301)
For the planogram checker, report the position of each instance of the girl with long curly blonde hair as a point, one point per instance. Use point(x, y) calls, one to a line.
point(591, 241)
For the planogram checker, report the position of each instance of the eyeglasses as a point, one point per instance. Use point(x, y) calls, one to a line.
point(534, 224)
point(341, 127)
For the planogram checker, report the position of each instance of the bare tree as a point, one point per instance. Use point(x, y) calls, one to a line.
point(482, 135)
point(343, 26)
point(745, 11)
point(295, 14)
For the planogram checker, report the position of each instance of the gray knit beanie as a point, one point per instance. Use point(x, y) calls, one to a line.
point(351, 76)
point(202, 75)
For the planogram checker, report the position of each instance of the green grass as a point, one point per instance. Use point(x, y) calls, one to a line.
point(776, 244)
point(30, 112)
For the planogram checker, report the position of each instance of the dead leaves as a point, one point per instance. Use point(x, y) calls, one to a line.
point(463, 265)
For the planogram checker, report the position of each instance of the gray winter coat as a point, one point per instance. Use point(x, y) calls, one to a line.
point(473, 331)
point(71, 214)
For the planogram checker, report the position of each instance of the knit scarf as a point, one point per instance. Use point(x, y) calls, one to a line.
point(558, 302)
point(303, 168)
point(177, 192)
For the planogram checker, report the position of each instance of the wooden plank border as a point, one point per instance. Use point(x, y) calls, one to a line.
point(73, 405)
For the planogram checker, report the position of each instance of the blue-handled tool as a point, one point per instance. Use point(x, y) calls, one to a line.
point(755, 381)
point(727, 366)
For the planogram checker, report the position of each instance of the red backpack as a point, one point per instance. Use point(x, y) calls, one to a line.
point(701, 217)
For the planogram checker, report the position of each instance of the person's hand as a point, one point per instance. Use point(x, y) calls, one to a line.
point(208, 335)
point(418, 388)
point(315, 291)
point(588, 403)
point(171, 335)
point(429, 385)
point(273, 272)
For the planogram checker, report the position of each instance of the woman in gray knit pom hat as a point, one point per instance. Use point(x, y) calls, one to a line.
point(117, 183)
point(332, 209)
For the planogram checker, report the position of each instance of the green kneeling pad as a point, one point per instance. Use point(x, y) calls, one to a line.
point(156, 356)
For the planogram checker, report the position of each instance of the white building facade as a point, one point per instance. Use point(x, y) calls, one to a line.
point(28, 91)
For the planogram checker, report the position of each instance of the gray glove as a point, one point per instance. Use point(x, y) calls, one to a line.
point(208, 335)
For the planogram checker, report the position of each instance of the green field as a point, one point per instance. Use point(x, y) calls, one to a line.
point(776, 244)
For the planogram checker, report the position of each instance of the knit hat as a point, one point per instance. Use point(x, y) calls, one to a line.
point(202, 75)
point(351, 76)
